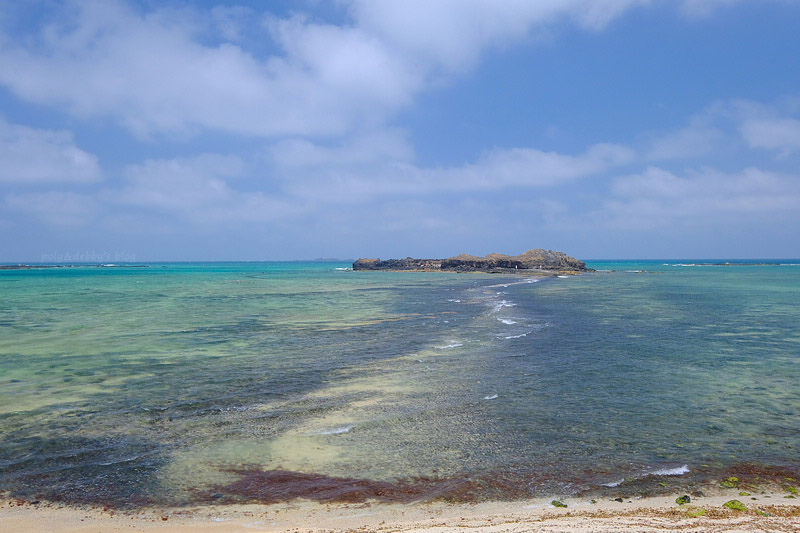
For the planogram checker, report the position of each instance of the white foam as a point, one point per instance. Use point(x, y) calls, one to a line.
point(563, 277)
point(343, 269)
point(678, 471)
point(455, 301)
point(507, 321)
point(335, 431)
point(501, 304)
point(492, 397)
point(508, 337)
point(449, 346)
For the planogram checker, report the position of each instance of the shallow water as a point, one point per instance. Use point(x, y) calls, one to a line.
point(174, 383)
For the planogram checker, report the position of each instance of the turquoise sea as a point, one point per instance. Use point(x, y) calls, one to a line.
point(179, 383)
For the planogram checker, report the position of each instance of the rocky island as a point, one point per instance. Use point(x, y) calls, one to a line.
point(537, 262)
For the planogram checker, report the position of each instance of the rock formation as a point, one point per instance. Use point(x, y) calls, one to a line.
point(538, 261)
point(409, 263)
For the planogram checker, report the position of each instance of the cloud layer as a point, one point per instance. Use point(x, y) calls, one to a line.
point(32, 155)
point(291, 123)
point(152, 71)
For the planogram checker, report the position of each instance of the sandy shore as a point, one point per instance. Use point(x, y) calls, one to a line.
point(765, 512)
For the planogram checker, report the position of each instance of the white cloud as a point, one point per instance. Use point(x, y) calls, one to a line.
point(772, 126)
point(148, 72)
point(526, 167)
point(452, 34)
point(197, 189)
point(495, 170)
point(704, 8)
point(358, 150)
point(730, 127)
point(29, 155)
point(55, 208)
point(657, 198)
point(155, 73)
point(773, 133)
point(697, 139)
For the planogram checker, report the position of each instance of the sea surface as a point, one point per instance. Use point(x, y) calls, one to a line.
point(179, 383)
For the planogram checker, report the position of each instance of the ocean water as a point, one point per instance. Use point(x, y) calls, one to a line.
point(179, 383)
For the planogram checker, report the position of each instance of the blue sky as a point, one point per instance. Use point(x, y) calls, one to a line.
point(233, 131)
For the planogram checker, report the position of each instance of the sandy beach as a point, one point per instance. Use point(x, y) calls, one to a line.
point(764, 512)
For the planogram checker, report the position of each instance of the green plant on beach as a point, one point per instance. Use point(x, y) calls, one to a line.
point(736, 505)
point(681, 500)
point(791, 490)
point(695, 512)
point(556, 503)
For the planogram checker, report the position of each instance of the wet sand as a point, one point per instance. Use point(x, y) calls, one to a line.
point(771, 511)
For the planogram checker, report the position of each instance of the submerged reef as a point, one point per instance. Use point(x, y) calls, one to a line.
point(539, 261)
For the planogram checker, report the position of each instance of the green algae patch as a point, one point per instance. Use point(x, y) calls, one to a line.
point(730, 483)
point(736, 505)
point(682, 500)
point(557, 503)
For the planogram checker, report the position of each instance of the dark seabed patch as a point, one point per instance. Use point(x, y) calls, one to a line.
point(79, 470)
point(255, 485)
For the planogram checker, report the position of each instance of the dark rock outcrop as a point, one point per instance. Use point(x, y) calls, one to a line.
point(409, 263)
point(540, 261)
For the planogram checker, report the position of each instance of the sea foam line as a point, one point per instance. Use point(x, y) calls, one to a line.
point(449, 346)
point(677, 471)
point(516, 336)
point(501, 304)
point(334, 431)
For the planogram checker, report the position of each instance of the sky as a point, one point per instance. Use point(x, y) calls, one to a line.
point(187, 130)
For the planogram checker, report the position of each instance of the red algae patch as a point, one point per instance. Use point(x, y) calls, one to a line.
point(274, 486)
